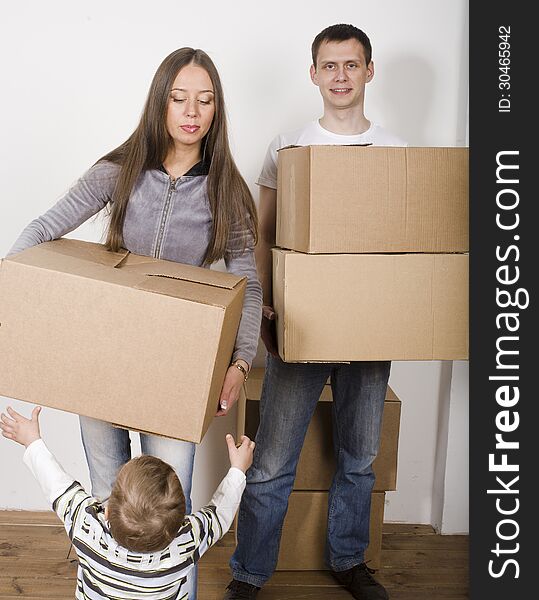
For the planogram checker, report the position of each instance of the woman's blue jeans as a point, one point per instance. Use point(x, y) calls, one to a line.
point(108, 448)
point(290, 393)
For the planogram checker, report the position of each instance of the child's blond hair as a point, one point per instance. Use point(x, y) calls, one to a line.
point(146, 506)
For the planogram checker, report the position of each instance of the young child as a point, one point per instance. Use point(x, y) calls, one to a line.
point(141, 544)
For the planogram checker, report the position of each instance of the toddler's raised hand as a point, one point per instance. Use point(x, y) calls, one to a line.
point(20, 429)
point(241, 456)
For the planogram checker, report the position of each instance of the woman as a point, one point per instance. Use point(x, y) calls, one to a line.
point(174, 192)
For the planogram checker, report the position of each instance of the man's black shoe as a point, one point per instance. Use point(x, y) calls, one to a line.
point(239, 590)
point(360, 583)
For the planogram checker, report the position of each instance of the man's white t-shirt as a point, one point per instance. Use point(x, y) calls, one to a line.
point(312, 134)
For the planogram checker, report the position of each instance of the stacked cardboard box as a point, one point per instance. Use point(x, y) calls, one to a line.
point(371, 260)
point(371, 264)
point(307, 509)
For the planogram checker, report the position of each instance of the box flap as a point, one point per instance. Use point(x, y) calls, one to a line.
point(45, 255)
point(185, 289)
point(154, 267)
point(315, 145)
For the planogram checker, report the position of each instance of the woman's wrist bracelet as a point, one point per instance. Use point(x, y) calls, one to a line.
point(239, 366)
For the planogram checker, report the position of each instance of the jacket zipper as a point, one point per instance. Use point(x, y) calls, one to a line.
point(166, 210)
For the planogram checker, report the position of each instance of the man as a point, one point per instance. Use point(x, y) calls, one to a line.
point(341, 68)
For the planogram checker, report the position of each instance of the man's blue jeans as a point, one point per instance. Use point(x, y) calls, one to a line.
point(290, 393)
point(108, 448)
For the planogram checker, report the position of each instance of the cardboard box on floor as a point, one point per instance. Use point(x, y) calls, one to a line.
point(317, 462)
point(135, 341)
point(335, 199)
point(346, 307)
point(304, 532)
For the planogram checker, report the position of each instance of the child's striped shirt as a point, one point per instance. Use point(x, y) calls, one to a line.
point(106, 569)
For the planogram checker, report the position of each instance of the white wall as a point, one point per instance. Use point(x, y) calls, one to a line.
point(74, 79)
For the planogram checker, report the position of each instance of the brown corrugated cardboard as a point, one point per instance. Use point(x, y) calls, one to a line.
point(316, 464)
point(139, 342)
point(345, 307)
point(304, 532)
point(334, 199)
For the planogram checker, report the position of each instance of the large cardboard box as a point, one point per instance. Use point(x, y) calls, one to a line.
point(139, 342)
point(345, 307)
point(333, 199)
point(304, 532)
point(317, 462)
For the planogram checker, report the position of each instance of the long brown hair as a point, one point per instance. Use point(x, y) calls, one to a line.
point(231, 202)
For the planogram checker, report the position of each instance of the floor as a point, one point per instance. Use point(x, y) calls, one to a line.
point(36, 563)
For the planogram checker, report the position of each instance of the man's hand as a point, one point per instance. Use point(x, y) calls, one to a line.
point(241, 456)
point(231, 389)
point(268, 331)
point(20, 429)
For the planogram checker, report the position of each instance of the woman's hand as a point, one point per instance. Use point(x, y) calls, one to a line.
point(20, 429)
point(230, 393)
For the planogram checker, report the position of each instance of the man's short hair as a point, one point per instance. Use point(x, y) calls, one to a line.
point(341, 33)
point(147, 506)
